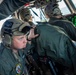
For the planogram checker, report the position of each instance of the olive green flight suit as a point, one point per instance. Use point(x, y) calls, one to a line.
point(66, 25)
point(56, 44)
point(9, 65)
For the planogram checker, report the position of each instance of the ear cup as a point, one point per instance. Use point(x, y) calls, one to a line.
point(56, 11)
point(7, 40)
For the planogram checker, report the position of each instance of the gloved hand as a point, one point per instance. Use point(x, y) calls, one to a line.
point(32, 34)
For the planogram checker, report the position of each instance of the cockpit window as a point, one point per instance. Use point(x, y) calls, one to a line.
point(38, 15)
point(74, 2)
point(64, 9)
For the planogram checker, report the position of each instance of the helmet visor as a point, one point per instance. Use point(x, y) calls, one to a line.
point(24, 28)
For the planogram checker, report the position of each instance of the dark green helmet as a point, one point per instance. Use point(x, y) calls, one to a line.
point(52, 9)
point(13, 27)
point(24, 14)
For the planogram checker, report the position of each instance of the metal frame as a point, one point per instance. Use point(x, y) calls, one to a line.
point(71, 6)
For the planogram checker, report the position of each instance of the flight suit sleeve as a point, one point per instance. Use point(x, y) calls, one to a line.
point(5, 71)
point(7, 7)
point(2, 72)
point(65, 54)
